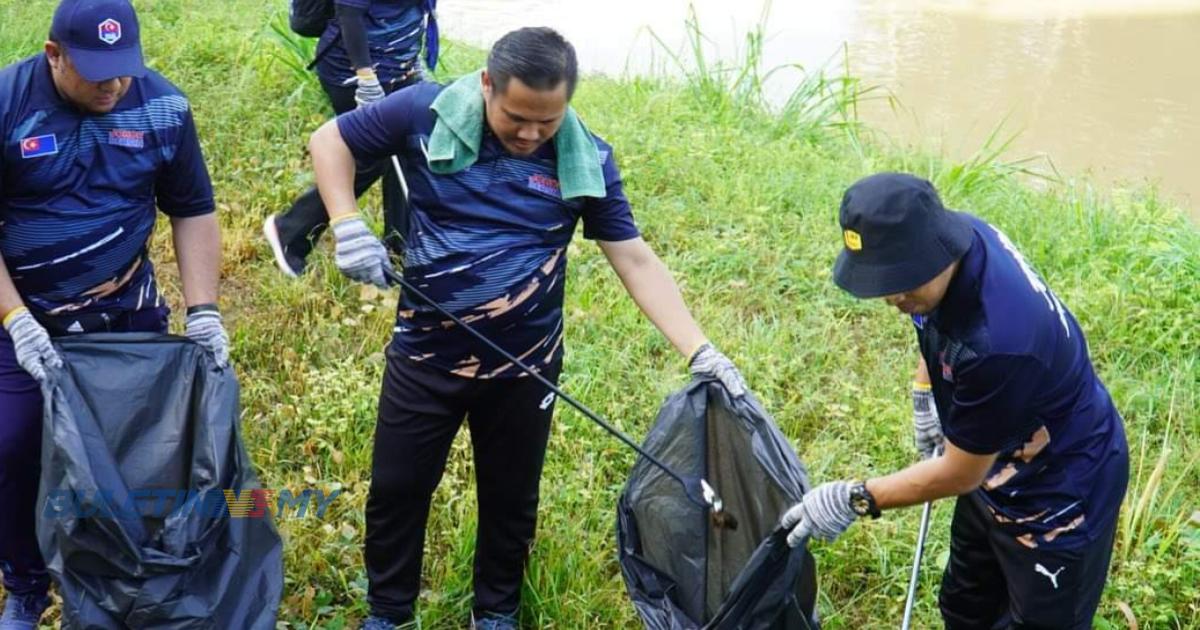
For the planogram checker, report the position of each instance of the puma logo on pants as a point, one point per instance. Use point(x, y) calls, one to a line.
point(1053, 577)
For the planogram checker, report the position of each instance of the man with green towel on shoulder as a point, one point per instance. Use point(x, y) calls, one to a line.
point(499, 171)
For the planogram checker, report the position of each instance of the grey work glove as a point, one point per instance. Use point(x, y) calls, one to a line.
point(709, 362)
point(360, 255)
point(824, 512)
point(926, 424)
point(31, 343)
point(206, 327)
point(369, 90)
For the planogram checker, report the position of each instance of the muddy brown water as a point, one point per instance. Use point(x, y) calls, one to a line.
point(1105, 88)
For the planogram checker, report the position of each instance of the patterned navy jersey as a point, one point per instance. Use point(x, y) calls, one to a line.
point(78, 191)
point(1011, 375)
point(395, 30)
point(488, 243)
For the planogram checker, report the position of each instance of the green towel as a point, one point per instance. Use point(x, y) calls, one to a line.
point(454, 143)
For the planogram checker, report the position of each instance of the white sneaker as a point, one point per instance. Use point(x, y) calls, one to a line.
point(281, 261)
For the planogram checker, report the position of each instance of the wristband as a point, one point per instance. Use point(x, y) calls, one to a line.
point(11, 315)
point(922, 387)
point(208, 307)
point(345, 217)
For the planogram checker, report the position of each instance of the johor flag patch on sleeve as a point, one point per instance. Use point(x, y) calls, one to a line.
point(39, 145)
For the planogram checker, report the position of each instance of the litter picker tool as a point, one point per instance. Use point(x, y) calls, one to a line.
point(916, 568)
point(917, 555)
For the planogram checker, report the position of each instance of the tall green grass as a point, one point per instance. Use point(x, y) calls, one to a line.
point(824, 98)
point(740, 198)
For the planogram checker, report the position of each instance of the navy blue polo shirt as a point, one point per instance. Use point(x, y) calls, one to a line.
point(1011, 375)
point(488, 243)
point(395, 30)
point(78, 191)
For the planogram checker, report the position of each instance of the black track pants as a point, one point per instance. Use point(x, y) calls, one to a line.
point(993, 581)
point(420, 411)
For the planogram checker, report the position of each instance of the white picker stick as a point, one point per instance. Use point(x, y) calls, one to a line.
point(400, 176)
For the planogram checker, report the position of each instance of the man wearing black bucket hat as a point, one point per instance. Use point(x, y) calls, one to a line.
point(93, 143)
point(1034, 448)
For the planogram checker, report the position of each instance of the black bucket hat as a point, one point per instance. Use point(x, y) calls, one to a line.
point(897, 235)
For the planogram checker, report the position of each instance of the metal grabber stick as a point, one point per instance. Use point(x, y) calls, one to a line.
point(916, 568)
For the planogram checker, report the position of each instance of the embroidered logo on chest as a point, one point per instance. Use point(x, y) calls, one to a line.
point(127, 138)
point(545, 184)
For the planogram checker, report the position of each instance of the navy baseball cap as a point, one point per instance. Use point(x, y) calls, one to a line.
point(101, 37)
point(897, 235)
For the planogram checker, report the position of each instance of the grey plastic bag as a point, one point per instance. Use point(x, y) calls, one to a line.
point(682, 572)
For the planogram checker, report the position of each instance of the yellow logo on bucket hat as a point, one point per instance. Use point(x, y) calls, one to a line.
point(853, 240)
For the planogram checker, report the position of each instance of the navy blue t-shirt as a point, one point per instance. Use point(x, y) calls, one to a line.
point(78, 190)
point(395, 30)
point(488, 243)
point(1011, 375)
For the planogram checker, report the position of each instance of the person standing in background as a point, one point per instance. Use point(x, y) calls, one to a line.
point(369, 50)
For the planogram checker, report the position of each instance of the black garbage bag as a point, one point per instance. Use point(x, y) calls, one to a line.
point(130, 421)
point(681, 571)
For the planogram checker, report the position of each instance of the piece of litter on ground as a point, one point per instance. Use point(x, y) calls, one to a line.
point(1127, 612)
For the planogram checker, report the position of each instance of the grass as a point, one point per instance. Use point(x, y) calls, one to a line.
point(740, 201)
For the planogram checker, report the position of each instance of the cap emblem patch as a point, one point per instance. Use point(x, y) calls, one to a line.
point(110, 31)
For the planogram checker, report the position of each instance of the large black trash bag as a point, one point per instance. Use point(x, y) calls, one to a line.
point(682, 572)
point(130, 412)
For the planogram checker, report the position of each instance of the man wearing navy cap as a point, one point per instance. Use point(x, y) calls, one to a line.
point(1034, 449)
point(92, 143)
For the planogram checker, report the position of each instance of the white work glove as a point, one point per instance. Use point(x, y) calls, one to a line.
point(359, 254)
point(31, 343)
point(369, 90)
point(205, 326)
point(709, 362)
point(926, 424)
point(824, 512)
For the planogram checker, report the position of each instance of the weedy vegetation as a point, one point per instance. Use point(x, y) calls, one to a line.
point(740, 200)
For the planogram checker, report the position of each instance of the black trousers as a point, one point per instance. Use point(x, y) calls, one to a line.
point(420, 411)
point(992, 581)
point(302, 224)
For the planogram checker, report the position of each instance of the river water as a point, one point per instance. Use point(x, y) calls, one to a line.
point(1109, 88)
